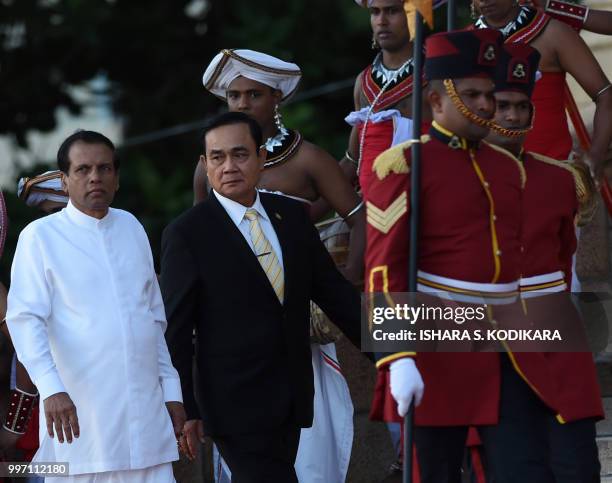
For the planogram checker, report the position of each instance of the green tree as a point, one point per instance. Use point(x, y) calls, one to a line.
point(153, 55)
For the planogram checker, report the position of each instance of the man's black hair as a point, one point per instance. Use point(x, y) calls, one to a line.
point(231, 118)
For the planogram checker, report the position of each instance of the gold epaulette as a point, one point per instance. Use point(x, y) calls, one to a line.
point(585, 186)
point(393, 159)
point(520, 166)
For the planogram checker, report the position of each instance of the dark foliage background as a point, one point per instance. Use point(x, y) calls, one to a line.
point(153, 54)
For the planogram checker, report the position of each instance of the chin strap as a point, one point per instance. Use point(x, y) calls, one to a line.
point(514, 133)
point(451, 91)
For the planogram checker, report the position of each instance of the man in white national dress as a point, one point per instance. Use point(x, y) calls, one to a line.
point(87, 321)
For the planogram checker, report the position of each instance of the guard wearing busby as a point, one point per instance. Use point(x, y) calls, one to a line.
point(557, 195)
point(469, 245)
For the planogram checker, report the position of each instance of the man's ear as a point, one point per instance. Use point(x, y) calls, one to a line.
point(63, 177)
point(204, 163)
point(435, 100)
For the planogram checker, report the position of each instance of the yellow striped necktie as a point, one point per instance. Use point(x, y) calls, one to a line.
point(265, 254)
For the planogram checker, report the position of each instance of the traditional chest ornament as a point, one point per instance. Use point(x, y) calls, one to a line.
point(400, 79)
point(382, 75)
point(523, 18)
point(527, 25)
point(282, 146)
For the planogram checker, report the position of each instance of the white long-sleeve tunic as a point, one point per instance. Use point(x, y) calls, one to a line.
point(86, 317)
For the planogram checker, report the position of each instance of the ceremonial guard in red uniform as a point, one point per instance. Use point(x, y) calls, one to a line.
point(469, 245)
point(557, 195)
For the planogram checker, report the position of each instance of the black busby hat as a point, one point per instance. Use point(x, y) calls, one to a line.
point(516, 68)
point(462, 53)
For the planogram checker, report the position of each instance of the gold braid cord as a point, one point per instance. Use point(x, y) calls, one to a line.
point(514, 133)
point(449, 85)
point(509, 133)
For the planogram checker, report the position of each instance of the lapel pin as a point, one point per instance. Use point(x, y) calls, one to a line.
point(278, 216)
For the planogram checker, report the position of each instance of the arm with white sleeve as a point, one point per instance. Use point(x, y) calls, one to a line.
point(168, 375)
point(29, 307)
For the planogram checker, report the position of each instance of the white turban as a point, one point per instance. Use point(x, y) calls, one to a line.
point(46, 186)
point(229, 64)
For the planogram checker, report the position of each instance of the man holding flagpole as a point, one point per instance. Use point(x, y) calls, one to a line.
point(468, 242)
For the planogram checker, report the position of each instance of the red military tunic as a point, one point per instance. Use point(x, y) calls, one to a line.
point(550, 206)
point(470, 220)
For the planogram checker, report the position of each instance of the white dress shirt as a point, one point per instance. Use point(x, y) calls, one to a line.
point(86, 317)
point(236, 212)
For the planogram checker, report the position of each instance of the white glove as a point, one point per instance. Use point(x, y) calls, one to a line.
point(406, 383)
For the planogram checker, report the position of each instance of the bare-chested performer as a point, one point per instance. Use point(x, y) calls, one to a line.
point(382, 92)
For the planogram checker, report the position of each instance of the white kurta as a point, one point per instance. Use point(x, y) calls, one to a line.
point(86, 316)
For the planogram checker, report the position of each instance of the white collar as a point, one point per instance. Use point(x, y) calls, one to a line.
point(83, 219)
point(236, 211)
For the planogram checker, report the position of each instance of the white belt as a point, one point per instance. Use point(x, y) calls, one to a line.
point(464, 291)
point(543, 284)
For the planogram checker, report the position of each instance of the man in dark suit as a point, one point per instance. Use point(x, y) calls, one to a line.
point(241, 267)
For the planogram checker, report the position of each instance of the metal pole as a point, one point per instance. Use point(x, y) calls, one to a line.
point(415, 165)
point(451, 15)
point(415, 178)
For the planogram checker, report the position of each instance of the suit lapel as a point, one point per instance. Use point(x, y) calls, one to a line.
point(282, 229)
point(231, 232)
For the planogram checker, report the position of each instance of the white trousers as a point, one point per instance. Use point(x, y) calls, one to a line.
point(154, 474)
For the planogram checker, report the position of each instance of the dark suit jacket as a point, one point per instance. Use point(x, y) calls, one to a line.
point(253, 354)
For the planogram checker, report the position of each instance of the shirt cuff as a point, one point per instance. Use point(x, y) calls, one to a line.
point(171, 387)
point(49, 384)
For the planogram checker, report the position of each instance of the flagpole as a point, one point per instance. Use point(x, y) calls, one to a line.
point(451, 9)
point(415, 175)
